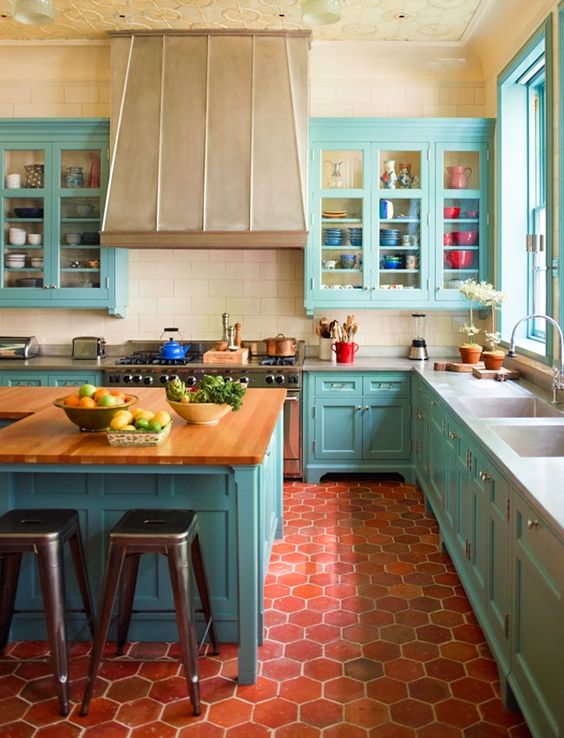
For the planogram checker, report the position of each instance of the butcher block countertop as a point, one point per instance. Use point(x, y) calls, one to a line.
point(44, 435)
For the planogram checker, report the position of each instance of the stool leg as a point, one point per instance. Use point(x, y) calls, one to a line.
point(202, 582)
point(112, 575)
point(51, 575)
point(9, 574)
point(180, 576)
point(126, 595)
point(79, 561)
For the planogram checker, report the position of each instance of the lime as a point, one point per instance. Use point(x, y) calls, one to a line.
point(107, 401)
point(141, 423)
point(87, 390)
point(154, 427)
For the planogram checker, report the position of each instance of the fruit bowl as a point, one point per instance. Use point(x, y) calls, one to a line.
point(93, 418)
point(200, 413)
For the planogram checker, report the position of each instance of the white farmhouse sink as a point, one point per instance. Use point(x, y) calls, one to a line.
point(509, 407)
point(533, 440)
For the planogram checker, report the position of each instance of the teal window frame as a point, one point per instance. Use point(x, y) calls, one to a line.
point(519, 198)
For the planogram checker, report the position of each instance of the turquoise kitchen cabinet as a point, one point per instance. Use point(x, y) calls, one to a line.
point(536, 620)
point(356, 422)
point(50, 221)
point(404, 243)
point(49, 379)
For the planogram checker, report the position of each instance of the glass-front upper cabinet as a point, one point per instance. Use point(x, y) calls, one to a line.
point(462, 222)
point(342, 234)
point(24, 216)
point(399, 210)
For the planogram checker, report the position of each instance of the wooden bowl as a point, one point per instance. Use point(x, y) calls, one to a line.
point(200, 413)
point(92, 418)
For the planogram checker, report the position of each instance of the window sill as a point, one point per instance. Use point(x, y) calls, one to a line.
point(534, 371)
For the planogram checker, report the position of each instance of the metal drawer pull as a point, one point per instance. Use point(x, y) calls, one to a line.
point(485, 476)
point(366, 407)
point(419, 416)
point(452, 435)
point(434, 402)
point(358, 407)
point(532, 524)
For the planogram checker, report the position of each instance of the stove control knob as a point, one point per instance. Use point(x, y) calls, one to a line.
point(190, 381)
point(227, 379)
point(173, 376)
point(114, 378)
point(293, 379)
point(127, 378)
point(279, 379)
point(163, 379)
point(137, 378)
point(269, 379)
point(148, 379)
point(244, 380)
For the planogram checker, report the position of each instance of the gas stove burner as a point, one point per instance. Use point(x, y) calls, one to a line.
point(148, 357)
point(278, 361)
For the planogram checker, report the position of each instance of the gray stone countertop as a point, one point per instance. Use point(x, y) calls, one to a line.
point(55, 363)
point(539, 478)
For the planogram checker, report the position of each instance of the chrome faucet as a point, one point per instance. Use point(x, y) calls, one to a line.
point(557, 370)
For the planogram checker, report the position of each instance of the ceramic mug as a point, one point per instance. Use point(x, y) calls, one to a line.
point(345, 351)
point(325, 352)
point(411, 261)
point(13, 181)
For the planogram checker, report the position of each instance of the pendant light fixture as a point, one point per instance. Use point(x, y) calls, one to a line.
point(33, 12)
point(321, 12)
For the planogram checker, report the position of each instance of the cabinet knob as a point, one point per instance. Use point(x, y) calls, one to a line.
point(452, 435)
point(485, 476)
point(358, 407)
point(366, 407)
point(419, 416)
point(531, 524)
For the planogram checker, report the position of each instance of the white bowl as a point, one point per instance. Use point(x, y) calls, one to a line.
point(84, 210)
point(37, 262)
point(72, 238)
point(17, 239)
point(34, 238)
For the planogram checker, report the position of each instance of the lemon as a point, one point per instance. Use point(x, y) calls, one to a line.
point(129, 428)
point(162, 418)
point(124, 414)
point(136, 410)
point(146, 414)
point(121, 420)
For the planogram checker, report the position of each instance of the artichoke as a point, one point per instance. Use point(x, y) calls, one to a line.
point(175, 390)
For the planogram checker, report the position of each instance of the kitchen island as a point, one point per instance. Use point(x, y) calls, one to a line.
point(230, 474)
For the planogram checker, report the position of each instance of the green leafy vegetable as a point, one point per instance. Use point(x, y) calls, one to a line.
point(210, 389)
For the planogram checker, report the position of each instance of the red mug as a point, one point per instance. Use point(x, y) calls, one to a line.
point(345, 351)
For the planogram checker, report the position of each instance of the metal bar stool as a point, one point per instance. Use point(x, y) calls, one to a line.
point(173, 533)
point(43, 532)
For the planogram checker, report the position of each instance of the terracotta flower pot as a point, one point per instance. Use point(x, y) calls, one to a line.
point(470, 354)
point(493, 359)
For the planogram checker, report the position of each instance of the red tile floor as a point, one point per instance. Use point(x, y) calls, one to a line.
point(369, 635)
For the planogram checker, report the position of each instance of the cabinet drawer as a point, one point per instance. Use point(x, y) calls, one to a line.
point(387, 384)
point(335, 385)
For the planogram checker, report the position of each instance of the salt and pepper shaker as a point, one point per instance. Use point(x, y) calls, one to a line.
point(231, 338)
point(225, 321)
point(238, 335)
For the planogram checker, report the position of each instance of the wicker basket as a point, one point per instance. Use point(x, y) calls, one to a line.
point(138, 438)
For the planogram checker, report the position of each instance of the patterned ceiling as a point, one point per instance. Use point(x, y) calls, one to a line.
point(374, 20)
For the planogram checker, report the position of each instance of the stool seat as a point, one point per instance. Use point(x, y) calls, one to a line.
point(175, 534)
point(43, 531)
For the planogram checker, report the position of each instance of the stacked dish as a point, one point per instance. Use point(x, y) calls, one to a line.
point(334, 214)
point(333, 236)
point(389, 236)
point(392, 262)
point(15, 261)
point(355, 236)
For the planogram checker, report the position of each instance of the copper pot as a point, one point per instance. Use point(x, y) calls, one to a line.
point(280, 345)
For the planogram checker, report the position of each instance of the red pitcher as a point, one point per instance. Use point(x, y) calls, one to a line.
point(345, 351)
point(458, 177)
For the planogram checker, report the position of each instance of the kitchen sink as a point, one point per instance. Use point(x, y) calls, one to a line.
point(533, 440)
point(509, 407)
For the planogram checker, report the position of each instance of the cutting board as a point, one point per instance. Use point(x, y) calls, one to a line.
point(456, 366)
point(240, 356)
point(493, 373)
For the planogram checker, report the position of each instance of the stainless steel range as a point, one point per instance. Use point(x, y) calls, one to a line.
point(143, 366)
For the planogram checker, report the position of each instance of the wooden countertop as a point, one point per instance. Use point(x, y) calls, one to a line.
point(46, 436)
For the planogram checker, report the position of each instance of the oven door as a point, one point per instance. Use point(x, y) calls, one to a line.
point(293, 435)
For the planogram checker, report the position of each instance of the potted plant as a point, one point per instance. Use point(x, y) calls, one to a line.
point(493, 357)
point(470, 350)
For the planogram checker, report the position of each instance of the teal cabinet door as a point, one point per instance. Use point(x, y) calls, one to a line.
point(24, 379)
point(386, 425)
point(49, 379)
point(454, 442)
point(537, 632)
point(437, 455)
point(338, 429)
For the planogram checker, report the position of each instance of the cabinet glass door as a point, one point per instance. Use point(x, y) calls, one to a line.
point(23, 219)
point(342, 235)
point(400, 186)
point(462, 223)
point(78, 187)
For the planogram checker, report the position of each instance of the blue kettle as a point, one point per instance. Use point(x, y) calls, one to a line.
point(172, 349)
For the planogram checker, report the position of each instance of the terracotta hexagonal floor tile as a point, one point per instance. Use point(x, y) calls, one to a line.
point(303, 650)
point(305, 618)
point(249, 731)
point(472, 690)
point(482, 668)
point(118, 669)
point(381, 651)
point(179, 714)
point(494, 712)
point(263, 689)
point(340, 618)
point(342, 650)
point(397, 633)
point(286, 633)
point(11, 709)
point(447, 618)
point(125, 690)
point(420, 650)
point(290, 604)
point(202, 730)
point(230, 712)
point(281, 669)
point(458, 651)
point(412, 713)
point(323, 633)
point(168, 690)
point(429, 690)
point(154, 730)
point(307, 591)
point(436, 730)
point(301, 689)
point(29, 670)
point(163, 669)
point(275, 713)
point(298, 730)
point(12, 685)
point(343, 689)
point(139, 712)
point(366, 713)
point(360, 633)
point(445, 669)
point(457, 713)
point(17, 729)
point(386, 690)
point(58, 730)
point(357, 604)
point(45, 713)
point(344, 730)
point(323, 669)
point(321, 713)
point(364, 669)
point(406, 670)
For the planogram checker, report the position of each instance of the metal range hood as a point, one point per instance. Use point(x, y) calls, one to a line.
point(209, 140)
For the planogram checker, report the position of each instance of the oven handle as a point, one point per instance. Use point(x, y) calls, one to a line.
point(295, 398)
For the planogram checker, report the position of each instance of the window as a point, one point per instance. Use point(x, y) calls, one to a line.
point(525, 192)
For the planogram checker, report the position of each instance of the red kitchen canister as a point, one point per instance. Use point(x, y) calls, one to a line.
point(345, 351)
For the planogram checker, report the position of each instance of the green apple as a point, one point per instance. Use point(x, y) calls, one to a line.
point(87, 390)
point(107, 401)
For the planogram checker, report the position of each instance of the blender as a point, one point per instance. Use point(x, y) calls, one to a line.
point(418, 349)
